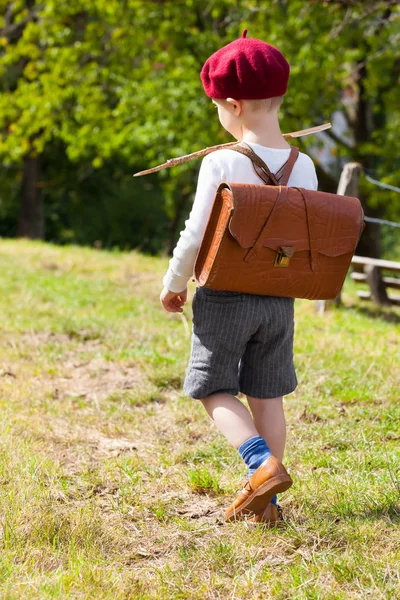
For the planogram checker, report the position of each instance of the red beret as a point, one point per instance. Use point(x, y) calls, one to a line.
point(245, 69)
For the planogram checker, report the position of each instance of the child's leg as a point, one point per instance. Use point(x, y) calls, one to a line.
point(231, 417)
point(234, 421)
point(269, 420)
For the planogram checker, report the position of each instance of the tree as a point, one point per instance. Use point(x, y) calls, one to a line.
point(114, 81)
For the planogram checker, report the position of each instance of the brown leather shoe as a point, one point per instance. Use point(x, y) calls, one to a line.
point(269, 479)
point(270, 517)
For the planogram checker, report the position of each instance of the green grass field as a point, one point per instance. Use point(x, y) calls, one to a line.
point(113, 484)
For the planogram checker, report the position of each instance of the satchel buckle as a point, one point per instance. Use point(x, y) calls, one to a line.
point(283, 256)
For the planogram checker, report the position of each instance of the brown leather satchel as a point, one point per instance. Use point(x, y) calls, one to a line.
point(277, 240)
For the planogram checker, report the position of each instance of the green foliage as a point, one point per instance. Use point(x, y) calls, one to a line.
point(116, 85)
point(106, 207)
point(202, 481)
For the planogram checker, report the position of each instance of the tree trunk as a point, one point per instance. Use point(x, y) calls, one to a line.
point(370, 243)
point(31, 217)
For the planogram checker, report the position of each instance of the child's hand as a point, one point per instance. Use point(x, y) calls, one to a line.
point(173, 301)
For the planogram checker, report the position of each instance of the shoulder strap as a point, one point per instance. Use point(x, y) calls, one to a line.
point(259, 166)
point(281, 177)
point(288, 166)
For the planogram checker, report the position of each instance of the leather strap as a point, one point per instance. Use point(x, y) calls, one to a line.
point(289, 164)
point(313, 251)
point(265, 233)
point(283, 173)
point(252, 253)
point(281, 177)
point(259, 166)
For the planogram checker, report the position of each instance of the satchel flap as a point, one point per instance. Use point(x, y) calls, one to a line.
point(252, 205)
point(337, 246)
point(330, 247)
point(335, 220)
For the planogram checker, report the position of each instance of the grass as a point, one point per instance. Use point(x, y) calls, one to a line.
point(113, 484)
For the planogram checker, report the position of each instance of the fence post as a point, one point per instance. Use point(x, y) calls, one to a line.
point(376, 285)
point(349, 185)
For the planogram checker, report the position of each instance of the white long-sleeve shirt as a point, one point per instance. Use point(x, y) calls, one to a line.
point(232, 167)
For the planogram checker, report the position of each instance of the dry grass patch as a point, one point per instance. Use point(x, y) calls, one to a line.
point(113, 484)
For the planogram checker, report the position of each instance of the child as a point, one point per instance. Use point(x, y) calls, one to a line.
point(242, 342)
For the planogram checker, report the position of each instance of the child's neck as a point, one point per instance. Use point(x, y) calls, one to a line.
point(266, 132)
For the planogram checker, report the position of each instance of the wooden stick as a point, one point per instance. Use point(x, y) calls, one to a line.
point(172, 162)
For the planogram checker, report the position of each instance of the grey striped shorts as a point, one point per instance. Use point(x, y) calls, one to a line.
point(241, 343)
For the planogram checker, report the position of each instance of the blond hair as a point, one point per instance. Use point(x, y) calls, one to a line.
point(265, 104)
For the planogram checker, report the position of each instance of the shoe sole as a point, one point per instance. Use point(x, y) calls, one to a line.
point(268, 524)
point(261, 497)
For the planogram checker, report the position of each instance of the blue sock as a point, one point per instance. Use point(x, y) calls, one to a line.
point(254, 451)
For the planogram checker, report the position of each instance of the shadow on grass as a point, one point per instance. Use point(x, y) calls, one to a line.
point(390, 514)
point(377, 313)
